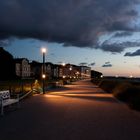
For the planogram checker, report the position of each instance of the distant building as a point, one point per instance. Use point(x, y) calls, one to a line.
point(85, 72)
point(36, 69)
point(22, 68)
point(49, 68)
point(56, 72)
point(74, 71)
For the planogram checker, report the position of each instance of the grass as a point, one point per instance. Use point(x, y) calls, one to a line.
point(108, 85)
point(126, 90)
point(128, 93)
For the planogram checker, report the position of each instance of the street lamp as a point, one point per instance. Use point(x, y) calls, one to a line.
point(63, 69)
point(43, 70)
point(43, 76)
point(70, 72)
point(63, 64)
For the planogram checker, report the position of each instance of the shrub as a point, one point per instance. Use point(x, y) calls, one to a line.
point(96, 80)
point(123, 91)
point(108, 85)
point(128, 93)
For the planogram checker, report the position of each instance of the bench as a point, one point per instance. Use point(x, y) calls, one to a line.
point(5, 100)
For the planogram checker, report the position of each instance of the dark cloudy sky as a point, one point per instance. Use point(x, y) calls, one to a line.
point(75, 31)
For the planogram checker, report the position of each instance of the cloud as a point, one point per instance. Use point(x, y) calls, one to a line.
point(92, 64)
point(107, 64)
point(117, 47)
point(4, 43)
point(83, 64)
point(123, 34)
point(71, 22)
point(136, 53)
point(52, 54)
point(59, 62)
point(114, 47)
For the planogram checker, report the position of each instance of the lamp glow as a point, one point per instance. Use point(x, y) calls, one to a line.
point(43, 76)
point(63, 64)
point(43, 50)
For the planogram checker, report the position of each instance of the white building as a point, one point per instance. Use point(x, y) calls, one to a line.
point(22, 67)
point(85, 72)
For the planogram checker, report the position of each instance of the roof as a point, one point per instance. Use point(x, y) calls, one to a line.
point(19, 60)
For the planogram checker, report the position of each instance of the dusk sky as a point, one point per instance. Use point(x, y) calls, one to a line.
point(103, 34)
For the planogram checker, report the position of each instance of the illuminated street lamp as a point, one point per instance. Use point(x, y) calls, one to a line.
point(43, 50)
point(77, 74)
point(63, 64)
point(63, 68)
point(70, 68)
point(64, 76)
point(43, 76)
point(101, 76)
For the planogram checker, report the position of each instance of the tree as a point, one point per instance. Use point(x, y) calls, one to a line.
point(7, 66)
point(95, 74)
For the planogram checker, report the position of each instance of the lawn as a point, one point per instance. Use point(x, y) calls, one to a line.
point(126, 90)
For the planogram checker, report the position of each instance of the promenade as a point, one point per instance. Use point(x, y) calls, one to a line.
point(80, 111)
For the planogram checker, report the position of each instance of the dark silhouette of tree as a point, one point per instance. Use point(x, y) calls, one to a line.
point(95, 74)
point(36, 68)
point(7, 66)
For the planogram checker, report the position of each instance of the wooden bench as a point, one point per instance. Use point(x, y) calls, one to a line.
point(5, 100)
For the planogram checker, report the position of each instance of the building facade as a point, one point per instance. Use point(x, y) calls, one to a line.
point(85, 72)
point(22, 68)
point(54, 71)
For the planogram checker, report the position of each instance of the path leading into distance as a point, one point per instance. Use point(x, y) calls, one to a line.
point(80, 111)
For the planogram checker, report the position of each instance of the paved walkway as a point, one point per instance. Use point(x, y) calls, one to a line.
point(81, 111)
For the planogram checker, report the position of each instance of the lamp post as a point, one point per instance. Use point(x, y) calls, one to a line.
point(43, 70)
point(63, 69)
point(70, 72)
point(63, 64)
